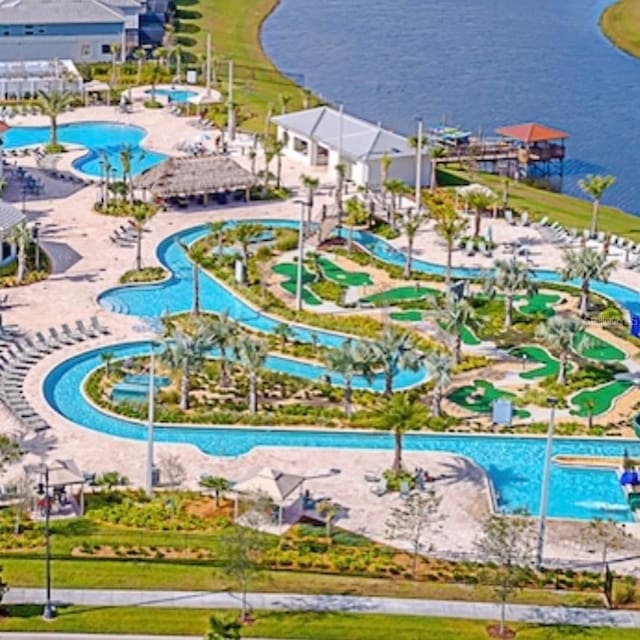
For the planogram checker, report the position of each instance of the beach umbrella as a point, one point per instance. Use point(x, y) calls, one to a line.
point(629, 477)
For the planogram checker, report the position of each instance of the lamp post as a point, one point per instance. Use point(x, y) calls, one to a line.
point(419, 169)
point(302, 204)
point(35, 235)
point(48, 612)
point(150, 418)
point(544, 492)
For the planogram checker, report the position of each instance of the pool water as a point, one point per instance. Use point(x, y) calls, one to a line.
point(176, 95)
point(98, 138)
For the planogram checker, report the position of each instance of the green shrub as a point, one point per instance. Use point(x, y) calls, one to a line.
point(286, 240)
point(148, 274)
point(152, 104)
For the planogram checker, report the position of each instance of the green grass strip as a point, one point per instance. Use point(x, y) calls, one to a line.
point(412, 315)
point(540, 303)
point(400, 294)
point(290, 270)
point(602, 398)
point(480, 396)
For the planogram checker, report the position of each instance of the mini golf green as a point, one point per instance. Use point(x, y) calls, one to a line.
point(400, 294)
point(413, 315)
point(536, 355)
point(349, 278)
point(290, 271)
point(589, 346)
point(479, 397)
point(541, 303)
point(602, 398)
point(467, 336)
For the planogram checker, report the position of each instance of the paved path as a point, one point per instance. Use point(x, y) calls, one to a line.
point(351, 604)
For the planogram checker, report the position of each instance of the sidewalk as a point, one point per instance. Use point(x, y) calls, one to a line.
point(346, 604)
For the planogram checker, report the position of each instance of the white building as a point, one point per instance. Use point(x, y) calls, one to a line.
point(318, 137)
point(9, 218)
point(26, 78)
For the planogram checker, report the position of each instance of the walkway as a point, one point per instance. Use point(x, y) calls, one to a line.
point(346, 604)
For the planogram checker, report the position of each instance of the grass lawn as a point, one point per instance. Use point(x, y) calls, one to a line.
point(540, 303)
point(480, 396)
point(349, 278)
point(595, 348)
point(620, 22)
point(290, 271)
point(289, 624)
point(567, 210)
point(400, 294)
point(537, 355)
point(603, 398)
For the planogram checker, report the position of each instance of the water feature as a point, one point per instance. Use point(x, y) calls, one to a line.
point(176, 95)
point(482, 64)
point(98, 138)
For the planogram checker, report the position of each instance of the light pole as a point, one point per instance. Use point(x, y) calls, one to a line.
point(48, 612)
point(35, 235)
point(300, 256)
point(150, 418)
point(419, 168)
point(544, 492)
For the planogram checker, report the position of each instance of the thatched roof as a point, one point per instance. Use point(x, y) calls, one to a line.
point(195, 175)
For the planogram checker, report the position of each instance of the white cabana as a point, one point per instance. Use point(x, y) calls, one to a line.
point(96, 86)
point(203, 98)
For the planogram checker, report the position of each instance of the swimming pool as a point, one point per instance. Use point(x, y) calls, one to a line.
point(514, 464)
point(98, 138)
point(176, 95)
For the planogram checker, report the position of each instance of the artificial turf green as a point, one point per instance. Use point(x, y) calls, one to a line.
point(399, 294)
point(467, 336)
point(602, 398)
point(537, 355)
point(412, 315)
point(349, 278)
point(589, 346)
point(480, 396)
point(290, 271)
point(540, 303)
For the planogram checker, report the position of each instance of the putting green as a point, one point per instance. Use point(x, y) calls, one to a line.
point(602, 398)
point(413, 315)
point(399, 294)
point(479, 397)
point(467, 336)
point(349, 278)
point(537, 355)
point(540, 303)
point(589, 346)
point(290, 271)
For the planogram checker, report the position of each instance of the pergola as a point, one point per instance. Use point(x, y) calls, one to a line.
point(199, 175)
point(96, 86)
point(65, 481)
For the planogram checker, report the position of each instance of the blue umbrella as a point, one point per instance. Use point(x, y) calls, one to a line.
point(629, 477)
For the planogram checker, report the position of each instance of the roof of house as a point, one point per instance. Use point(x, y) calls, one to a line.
point(9, 216)
point(361, 139)
point(57, 11)
point(271, 482)
point(530, 132)
point(133, 4)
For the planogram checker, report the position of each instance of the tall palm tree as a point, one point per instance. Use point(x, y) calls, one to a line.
point(351, 359)
point(341, 174)
point(161, 55)
point(455, 315)
point(177, 56)
point(139, 55)
point(310, 184)
point(219, 485)
point(253, 154)
point(115, 49)
point(156, 74)
point(399, 413)
point(437, 151)
point(393, 351)
point(283, 332)
point(278, 145)
point(285, 99)
point(594, 186)
point(586, 265)
point(217, 229)
point(396, 188)
point(126, 158)
point(139, 217)
point(184, 352)
point(385, 165)
point(52, 104)
point(479, 202)
point(440, 367)
point(356, 215)
point(244, 235)
point(222, 334)
point(560, 332)
point(510, 277)
point(449, 225)
point(251, 355)
point(20, 237)
point(269, 155)
point(411, 225)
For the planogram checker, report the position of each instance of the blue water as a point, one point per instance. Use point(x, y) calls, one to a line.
point(483, 64)
point(98, 138)
point(176, 95)
point(513, 464)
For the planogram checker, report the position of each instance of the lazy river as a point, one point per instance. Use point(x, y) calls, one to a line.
point(514, 464)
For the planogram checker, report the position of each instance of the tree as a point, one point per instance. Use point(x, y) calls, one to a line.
point(394, 351)
point(385, 165)
point(602, 535)
point(244, 234)
point(222, 334)
point(177, 56)
point(275, 147)
point(507, 542)
point(449, 225)
point(559, 333)
point(173, 470)
point(219, 485)
point(217, 229)
point(126, 154)
point(20, 236)
point(161, 55)
point(269, 154)
point(455, 315)
point(341, 174)
point(356, 215)
point(440, 367)
point(9, 451)
point(310, 184)
point(411, 226)
point(479, 202)
point(52, 104)
point(329, 510)
point(397, 188)
point(594, 186)
point(351, 359)
point(139, 217)
point(251, 355)
point(224, 628)
point(437, 151)
point(183, 352)
point(399, 413)
point(282, 331)
point(413, 520)
point(115, 48)
point(156, 74)
point(284, 99)
point(586, 265)
point(510, 277)
point(107, 358)
point(139, 55)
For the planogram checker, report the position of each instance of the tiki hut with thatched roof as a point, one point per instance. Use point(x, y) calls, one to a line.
point(195, 176)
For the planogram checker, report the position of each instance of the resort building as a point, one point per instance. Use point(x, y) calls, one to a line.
point(26, 78)
point(9, 218)
point(321, 136)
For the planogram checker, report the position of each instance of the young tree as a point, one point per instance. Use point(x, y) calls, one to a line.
point(594, 187)
point(509, 277)
point(559, 333)
point(507, 542)
point(52, 104)
point(396, 188)
point(224, 628)
point(218, 231)
point(356, 215)
point(20, 236)
point(310, 184)
point(173, 470)
point(385, 165)
point(413, 520)
point(449, 226)
point(329, 510)
point(341, 174)
point(139, 55)
point(107, 358)
point(411, 225)
point(438, 151)
point(283, 332)
point(244, 234)
point(218, 484)
point(251, 355)
point(479, 202)
point(455, 315)
point(604, 536)
point(440, 366)
point(139, 217)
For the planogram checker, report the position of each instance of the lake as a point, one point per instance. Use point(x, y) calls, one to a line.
point(480, 64)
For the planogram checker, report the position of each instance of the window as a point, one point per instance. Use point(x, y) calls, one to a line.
point(301, 146)
point(85, 50)
point(106, 48)
point(28, 29)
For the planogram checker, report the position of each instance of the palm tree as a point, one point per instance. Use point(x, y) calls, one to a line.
point(385, 165)
point(251, 355)
point(411, 226)
point(217, 229)
point(156, 74)
point(222, 334)
point(52, 104)
point(177, 55)
point(399, 413)
point(479, 202)
point(20, 237)
point(449, 225)
point(356, 215)
point(560, 332)
point(285, 99)
point(341, 173)
point(115, 49)
point(594, 187)
point(139, 55)
point(586, 265)
point(183, 352)
point(269, 154)
point(455, 315)
point(310, 184)
point(509, 277)
point(139, 217)
point(219, 485)
point(351, 359)
point(244, 234)
point(440, 367)
point(252, 159)
point(393, 351)
point(437, 151)
point(396, 188)
point(283, 332)
point(126, 158)
point(107, 357)
point(278, 145)
point(160, 54)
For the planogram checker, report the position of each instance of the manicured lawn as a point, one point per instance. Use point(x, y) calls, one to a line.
point(349, 278)
point(480, 397)
point(400, 294)
point(537, 355)
point(594, 348)
point(286, 624)
point(603, 398)
point(540, 303)
point(620, 22)
point(568, 211)
point(290, 271)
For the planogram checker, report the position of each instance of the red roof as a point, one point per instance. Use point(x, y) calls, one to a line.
point(4, 127)
point(531, 132)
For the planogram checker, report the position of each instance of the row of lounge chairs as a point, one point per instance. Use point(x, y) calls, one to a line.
point(123, 236)
point(524, 220)
point(19, 354)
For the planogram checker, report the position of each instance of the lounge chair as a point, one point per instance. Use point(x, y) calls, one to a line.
point(87, 331)
point(26, 352)
point(100, 328)
point(508, 216)
point(39, 346)
point(74, 335)
point(543, 222)
point(524, 219)
point(63, 339)
point(52, 344)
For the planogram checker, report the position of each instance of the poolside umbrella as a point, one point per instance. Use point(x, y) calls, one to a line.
point(629, 477)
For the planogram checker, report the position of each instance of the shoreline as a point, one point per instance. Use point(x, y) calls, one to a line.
point(617, 24)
